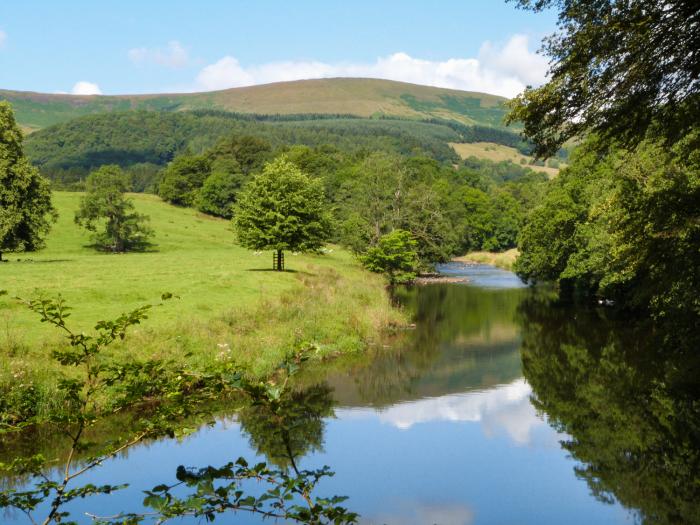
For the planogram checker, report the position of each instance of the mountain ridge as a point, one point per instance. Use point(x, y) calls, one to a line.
point(362, 97)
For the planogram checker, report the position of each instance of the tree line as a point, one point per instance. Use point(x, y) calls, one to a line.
point(446, 210)
point(622, 222)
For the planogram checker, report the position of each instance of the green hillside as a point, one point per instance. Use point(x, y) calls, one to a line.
point(336, 96)
point(128, 138)
point(226, 295)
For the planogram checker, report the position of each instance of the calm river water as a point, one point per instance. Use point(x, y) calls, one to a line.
point(500, 407)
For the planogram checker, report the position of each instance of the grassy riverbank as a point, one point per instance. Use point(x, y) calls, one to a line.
point(503, 260)
point(231, 308)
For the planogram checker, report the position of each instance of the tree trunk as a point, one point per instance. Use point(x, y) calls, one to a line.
point(0, 256)
point(280, 261)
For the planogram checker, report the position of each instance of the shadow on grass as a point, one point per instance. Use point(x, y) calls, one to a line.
point(42, 261)
point(151, 248)
point(275, 271)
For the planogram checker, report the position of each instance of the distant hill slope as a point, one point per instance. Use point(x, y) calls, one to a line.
point(341, 96)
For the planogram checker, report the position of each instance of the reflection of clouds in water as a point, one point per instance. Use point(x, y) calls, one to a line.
point(448, 514)
point(504, 408)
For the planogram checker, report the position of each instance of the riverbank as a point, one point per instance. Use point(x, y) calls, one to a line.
point(504, 260)
point(230, 308)
point(439, 278)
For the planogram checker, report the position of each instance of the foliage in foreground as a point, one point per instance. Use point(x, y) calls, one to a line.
point(124, 229)
point(178, 395)
point(619, 68)
point(26, 212)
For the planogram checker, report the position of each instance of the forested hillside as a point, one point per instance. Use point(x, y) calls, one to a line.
point(67, 152)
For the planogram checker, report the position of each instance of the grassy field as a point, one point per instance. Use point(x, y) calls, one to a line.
point(498, 153)
point(503, 260)
point(356, 96)
point(231, 306)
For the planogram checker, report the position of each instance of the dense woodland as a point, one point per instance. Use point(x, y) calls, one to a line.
point(448, 209)
point(67, 152)
point(379, 174)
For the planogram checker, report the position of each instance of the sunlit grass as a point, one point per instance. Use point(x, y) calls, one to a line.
point(503, 260)
point(230, 306)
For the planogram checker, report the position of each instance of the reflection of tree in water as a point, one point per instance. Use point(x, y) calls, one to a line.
point(447, 312)
point(435, 357)
point(629, 397)
point(287, 428)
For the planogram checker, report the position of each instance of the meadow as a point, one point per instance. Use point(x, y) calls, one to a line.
point(229, 307)
point(499, 153)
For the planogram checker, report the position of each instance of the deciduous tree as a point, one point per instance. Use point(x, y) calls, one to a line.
point(395, 256)
point(104, 202)
point(26, 212)
point(182, 179)
point(282, 209)
point(621, 68)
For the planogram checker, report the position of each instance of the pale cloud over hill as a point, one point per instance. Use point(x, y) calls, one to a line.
point(86, 88)
point(174, 55)
point(501, 70)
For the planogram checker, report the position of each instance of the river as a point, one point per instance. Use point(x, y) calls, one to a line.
point(499, 407)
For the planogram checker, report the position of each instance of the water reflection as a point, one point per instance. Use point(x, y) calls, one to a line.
point(499, 407)
point(502, 409)
point(288, 428)
point(628, 395)
point(465, 338)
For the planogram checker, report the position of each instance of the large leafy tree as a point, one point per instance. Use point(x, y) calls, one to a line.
point(623, 226)
point(386, 193)
point(282, 209)
point(247, 151)
point(621, 68)
point(105, 204)
point(183, 178)
point(218, 193)
point(26, 212)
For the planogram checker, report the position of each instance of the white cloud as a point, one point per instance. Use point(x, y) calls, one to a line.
point(3, 38)
point(414, 513)
point(86, 88)
point(502, 410)
point(501, 70)
point(174, 55)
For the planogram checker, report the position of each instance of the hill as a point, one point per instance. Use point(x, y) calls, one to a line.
point(360, 97)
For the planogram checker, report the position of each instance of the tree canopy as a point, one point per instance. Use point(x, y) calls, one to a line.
point(26, 212)
point(282, 209)
point(620, 68)
point(623, 226)
point(124, 229)
point(395, 256)
point(182, 179)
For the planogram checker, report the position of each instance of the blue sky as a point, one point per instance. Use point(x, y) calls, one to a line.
point(156, 46)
